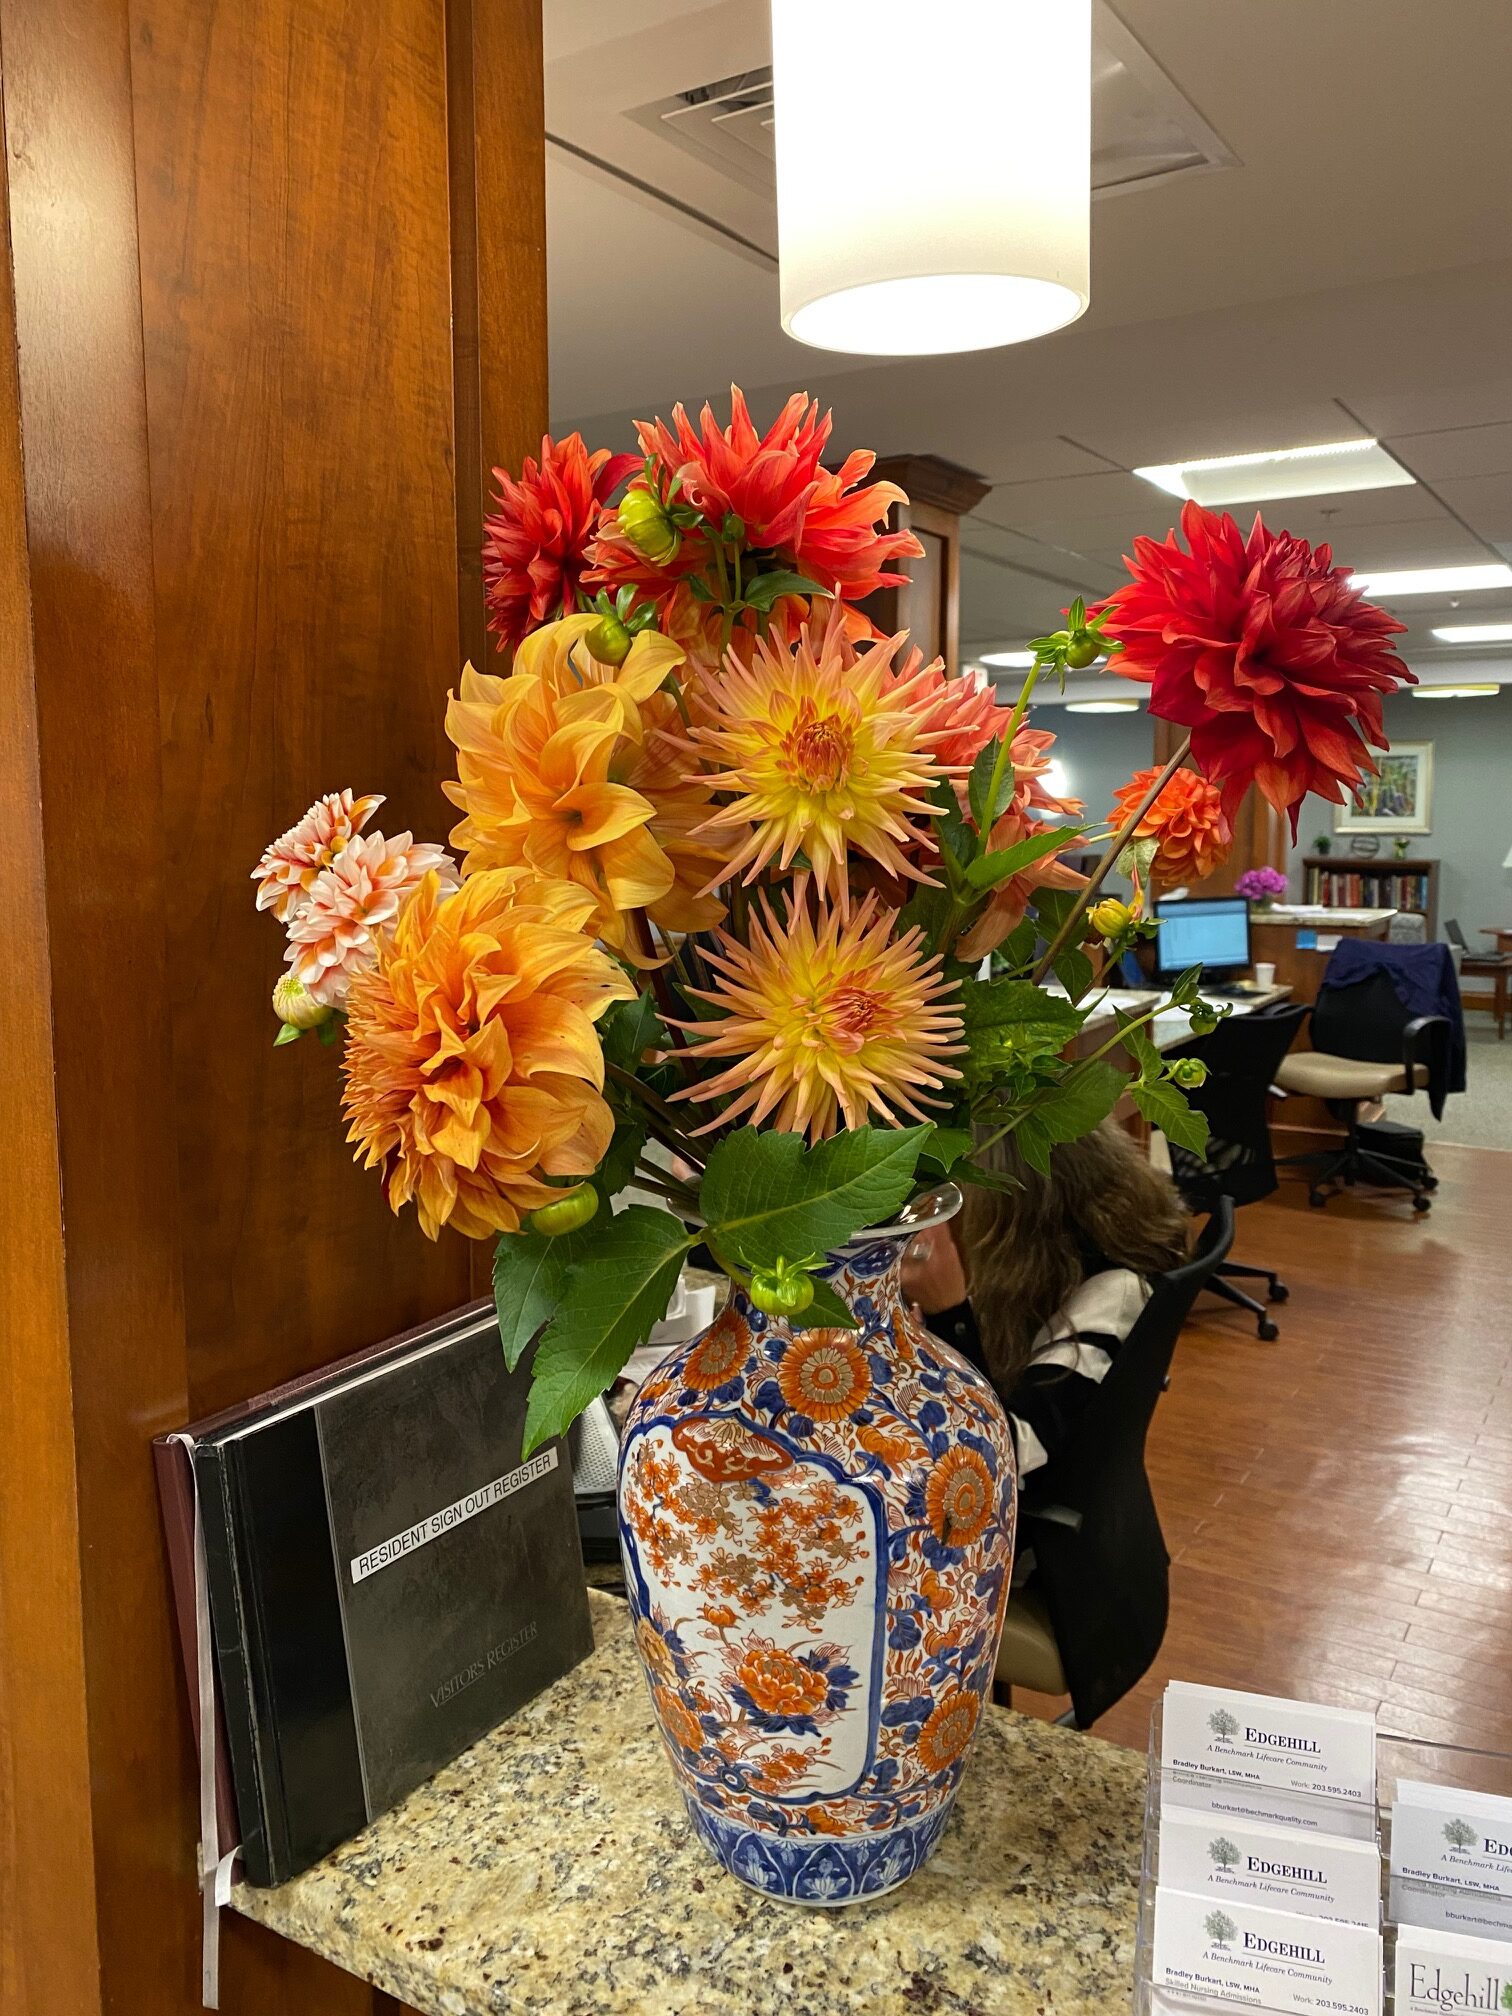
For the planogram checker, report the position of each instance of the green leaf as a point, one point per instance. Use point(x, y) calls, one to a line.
point(287, 1034)
point(1017, 949)
point(1166, 1108)
point(529, 1271)
point(618, 1166)
point(1081, 1101)
point(768, 1198)
point(1136, 1040)
point(1034, 1143)
point(1073, 969)
point(927, 910)
point(1019, 1004)
point(980, 785)
point(825, 1312)
point(956, 838)
point(767, 588)
point(630, 1029)
point(995, 868)
point(612, 1299)
point(945, 1148)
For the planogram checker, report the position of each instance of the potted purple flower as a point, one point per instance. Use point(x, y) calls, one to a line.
point(1261, 886)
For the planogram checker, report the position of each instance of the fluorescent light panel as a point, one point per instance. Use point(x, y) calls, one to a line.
point(1434, 580)
point(1018, 661)
point(1102, 706)
point(1332, 467)
point(1475, 633)
point(1463, 692)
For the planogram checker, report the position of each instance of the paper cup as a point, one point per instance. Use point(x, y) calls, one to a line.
point(1265, 974)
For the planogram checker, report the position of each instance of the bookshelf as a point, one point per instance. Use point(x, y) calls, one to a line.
point(1345, 882)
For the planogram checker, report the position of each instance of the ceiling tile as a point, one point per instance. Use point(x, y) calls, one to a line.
point(1458, 451)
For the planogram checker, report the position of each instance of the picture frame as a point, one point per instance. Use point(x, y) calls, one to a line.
point(1397, 800)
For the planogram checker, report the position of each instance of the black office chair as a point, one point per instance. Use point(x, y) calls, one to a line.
point(1091, 1619)
point(1366, 1044)
point(1243, 1055)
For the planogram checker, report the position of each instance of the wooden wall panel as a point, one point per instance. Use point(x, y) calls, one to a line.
point(246, 327)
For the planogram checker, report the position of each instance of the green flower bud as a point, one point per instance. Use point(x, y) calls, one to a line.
point(609, 641)
point(783, 1290)
point(569, 1213)
point(1082, 651)
point(1205, 1018)
point(646, 523)
point(1188, 1072)
point(296, 1006)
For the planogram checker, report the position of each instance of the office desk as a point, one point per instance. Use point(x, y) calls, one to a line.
point(1502, 933)
point(552, 1869)
point(1274, 936)
point(1167, 1031)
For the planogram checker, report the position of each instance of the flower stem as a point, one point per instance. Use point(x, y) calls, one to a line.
point(1005, 753)
point(669, 1126)
point(1110, 854)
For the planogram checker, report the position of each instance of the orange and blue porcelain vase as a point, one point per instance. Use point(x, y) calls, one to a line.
point(818, 1537)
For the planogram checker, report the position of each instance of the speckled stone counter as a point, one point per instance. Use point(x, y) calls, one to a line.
point(551, 1871)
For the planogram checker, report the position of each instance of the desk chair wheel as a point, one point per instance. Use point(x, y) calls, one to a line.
point(1317, 1199)
point(1422, 1203)
point(1268, 1331)
point(1277, 1292)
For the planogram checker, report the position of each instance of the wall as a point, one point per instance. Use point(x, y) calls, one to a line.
point(1472, 809)
point(1100, 752)
point(272, 300)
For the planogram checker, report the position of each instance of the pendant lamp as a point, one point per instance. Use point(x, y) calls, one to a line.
point(933, 171)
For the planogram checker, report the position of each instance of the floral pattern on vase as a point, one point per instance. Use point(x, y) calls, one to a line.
point(818, 1536)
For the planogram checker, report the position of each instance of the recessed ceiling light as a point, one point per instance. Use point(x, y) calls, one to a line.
point(1281, 472)
point(1476, 633)
point(1467, 692)
point(1102, 706)
point(1019, 661)
point(1434, 580)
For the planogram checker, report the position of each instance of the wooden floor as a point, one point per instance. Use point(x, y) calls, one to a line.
point(1338, 1504)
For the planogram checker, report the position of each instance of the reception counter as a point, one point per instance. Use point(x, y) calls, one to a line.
point(552, 1870)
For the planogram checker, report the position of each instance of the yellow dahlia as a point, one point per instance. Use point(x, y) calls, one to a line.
point(568, 767)
point(839, 1018)
point(473, 1069)
point(826, 748)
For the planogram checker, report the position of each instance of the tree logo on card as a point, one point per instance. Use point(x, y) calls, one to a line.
point(1223, 1852)
point(1220, 1928)
point(1506, 1996)
point(1459, 1834)
point(1223, 1724)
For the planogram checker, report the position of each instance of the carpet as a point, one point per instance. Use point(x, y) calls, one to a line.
point(1481, 1115)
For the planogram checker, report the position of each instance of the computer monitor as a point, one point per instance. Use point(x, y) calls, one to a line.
point(1210, 932)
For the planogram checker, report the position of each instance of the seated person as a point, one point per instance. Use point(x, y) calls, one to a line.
point(1056, 1271)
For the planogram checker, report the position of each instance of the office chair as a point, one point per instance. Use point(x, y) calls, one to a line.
point(1091, 1617)
point(1243, 1055)
point(1367, 1043)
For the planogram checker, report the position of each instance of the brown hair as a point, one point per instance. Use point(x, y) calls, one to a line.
point(1027, 1247)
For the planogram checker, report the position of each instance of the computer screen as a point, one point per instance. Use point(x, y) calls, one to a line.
point(1210, 932)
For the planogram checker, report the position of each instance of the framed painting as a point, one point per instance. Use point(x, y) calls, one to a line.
point(1398, 800)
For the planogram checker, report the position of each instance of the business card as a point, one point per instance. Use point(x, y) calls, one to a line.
point(1442, 1972)
point(1315, 1875)
point(1292, 1763)
point(1267, 1959)
point(1442, 1835)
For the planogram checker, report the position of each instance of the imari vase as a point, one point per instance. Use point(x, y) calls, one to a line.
point(818, 1532)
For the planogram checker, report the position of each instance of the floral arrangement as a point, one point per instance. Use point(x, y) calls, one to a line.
point(1260, 885)
point(755, 910)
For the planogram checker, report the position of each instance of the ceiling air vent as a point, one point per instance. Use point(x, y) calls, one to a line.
point(1143, 130)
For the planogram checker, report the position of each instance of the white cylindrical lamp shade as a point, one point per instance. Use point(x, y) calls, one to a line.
point(933, 171)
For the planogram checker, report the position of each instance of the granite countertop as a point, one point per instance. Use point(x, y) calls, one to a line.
point(551, 1871)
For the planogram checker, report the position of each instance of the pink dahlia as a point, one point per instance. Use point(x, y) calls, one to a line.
point(535, 546)
point(1261, 648)
point(352, 903)
point(289, 868)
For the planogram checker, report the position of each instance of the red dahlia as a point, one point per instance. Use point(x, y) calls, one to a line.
point(535, 547)
point(1261, 647)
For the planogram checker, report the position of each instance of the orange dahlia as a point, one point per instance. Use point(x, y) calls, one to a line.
point(828, 1019)
point(569, 767)
point(826, 751)
point(535, 545)
point(473, 1069)
point(1187, 822)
